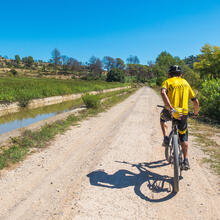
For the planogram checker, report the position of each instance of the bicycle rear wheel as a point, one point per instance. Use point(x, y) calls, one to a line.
point(176, 163)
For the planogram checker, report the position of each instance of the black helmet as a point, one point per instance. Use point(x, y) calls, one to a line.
point(175, 70)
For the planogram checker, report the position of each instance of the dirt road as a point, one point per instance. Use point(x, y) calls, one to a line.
point(109, 167)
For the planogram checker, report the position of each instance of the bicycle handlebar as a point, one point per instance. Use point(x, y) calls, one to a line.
point(190, 114)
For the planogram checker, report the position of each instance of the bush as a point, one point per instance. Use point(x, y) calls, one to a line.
point(210, 99)
point(115, 75)
point(130, 79)
point(91, 101)
point(160, 79)
point(14, 72)
point(153, 82)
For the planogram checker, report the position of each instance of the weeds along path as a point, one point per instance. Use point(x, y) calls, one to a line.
point(109, 167)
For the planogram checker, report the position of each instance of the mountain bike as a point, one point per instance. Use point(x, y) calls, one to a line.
point(174, 153)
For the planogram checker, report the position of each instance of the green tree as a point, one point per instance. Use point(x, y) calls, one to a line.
point(28, 61)
point(108, 63)
point(209, 62)
point(133, 60)
point(210, 99)
point(95, 66)
point(115, 75)
point(119, 63)
point(17, 59)
point(191, 76)
point(163, 61)
point(189, 61)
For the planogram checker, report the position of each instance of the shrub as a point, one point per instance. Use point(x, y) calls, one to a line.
point(130, 79)
point(115, 75)
point(210, 99)
point(160, 79)
point(14, 72)
point(91, 101)
point(153, 82)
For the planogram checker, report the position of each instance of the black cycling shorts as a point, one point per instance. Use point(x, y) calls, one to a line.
point(182, 124)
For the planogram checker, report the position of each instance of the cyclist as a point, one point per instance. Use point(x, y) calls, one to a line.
point(175, 92)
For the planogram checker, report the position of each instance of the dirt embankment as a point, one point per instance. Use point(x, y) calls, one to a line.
point(109, 167)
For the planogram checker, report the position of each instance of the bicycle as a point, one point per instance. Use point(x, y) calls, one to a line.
point(173, 152)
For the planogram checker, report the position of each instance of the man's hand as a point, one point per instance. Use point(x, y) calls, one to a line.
point(196, 107)
point(195, 115)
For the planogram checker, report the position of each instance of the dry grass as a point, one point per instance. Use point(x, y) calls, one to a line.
point(207, 137)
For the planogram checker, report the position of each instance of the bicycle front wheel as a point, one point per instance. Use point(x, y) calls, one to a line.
point(176, 163)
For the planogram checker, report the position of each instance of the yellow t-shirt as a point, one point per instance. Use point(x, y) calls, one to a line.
point(178, 92)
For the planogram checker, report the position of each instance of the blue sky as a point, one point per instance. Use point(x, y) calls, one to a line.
point(116, 28)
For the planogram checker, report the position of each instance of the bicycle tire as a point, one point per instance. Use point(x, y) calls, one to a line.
point(176, 163)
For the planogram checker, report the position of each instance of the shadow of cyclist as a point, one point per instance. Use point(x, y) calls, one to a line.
point(145, 179)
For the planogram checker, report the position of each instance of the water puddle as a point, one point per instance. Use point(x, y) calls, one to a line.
point(29, 116)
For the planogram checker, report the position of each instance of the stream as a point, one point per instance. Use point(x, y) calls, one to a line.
point(27, 116)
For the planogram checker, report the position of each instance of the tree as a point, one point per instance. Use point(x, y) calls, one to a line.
point(17, 59)
point(115, 75)
point(190, 60)
point(141, 72)
point(163, 61)
point(28, 61)
point(133, 60)
point(209, 62)
point(74, 64)
point(95, 66)
point(108, 62)
point(131, 69)
point(191, 76)
point(119, 64)
point(56, 58)
point(64, 61)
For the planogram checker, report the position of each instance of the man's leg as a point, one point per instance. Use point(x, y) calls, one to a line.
point(185, 165)
point(183, 134)
point(164, 117)
point(185, 149)
point(164, 128)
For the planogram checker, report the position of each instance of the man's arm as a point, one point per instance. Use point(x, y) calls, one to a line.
point(196, 106)
point(165, 98)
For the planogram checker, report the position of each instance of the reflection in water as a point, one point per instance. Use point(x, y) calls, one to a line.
point(29, 116)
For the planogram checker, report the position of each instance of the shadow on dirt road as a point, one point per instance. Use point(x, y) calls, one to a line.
point(148, 185)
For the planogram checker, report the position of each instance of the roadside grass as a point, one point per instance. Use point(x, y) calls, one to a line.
point(30, 141)
point(207, 137)
point(23, 89)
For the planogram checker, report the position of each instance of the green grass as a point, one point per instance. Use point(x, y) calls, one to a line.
point(19, 147)
point(24, 89)
point(91, 101)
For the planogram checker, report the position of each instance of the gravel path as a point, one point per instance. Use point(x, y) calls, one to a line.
point(109, 167)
